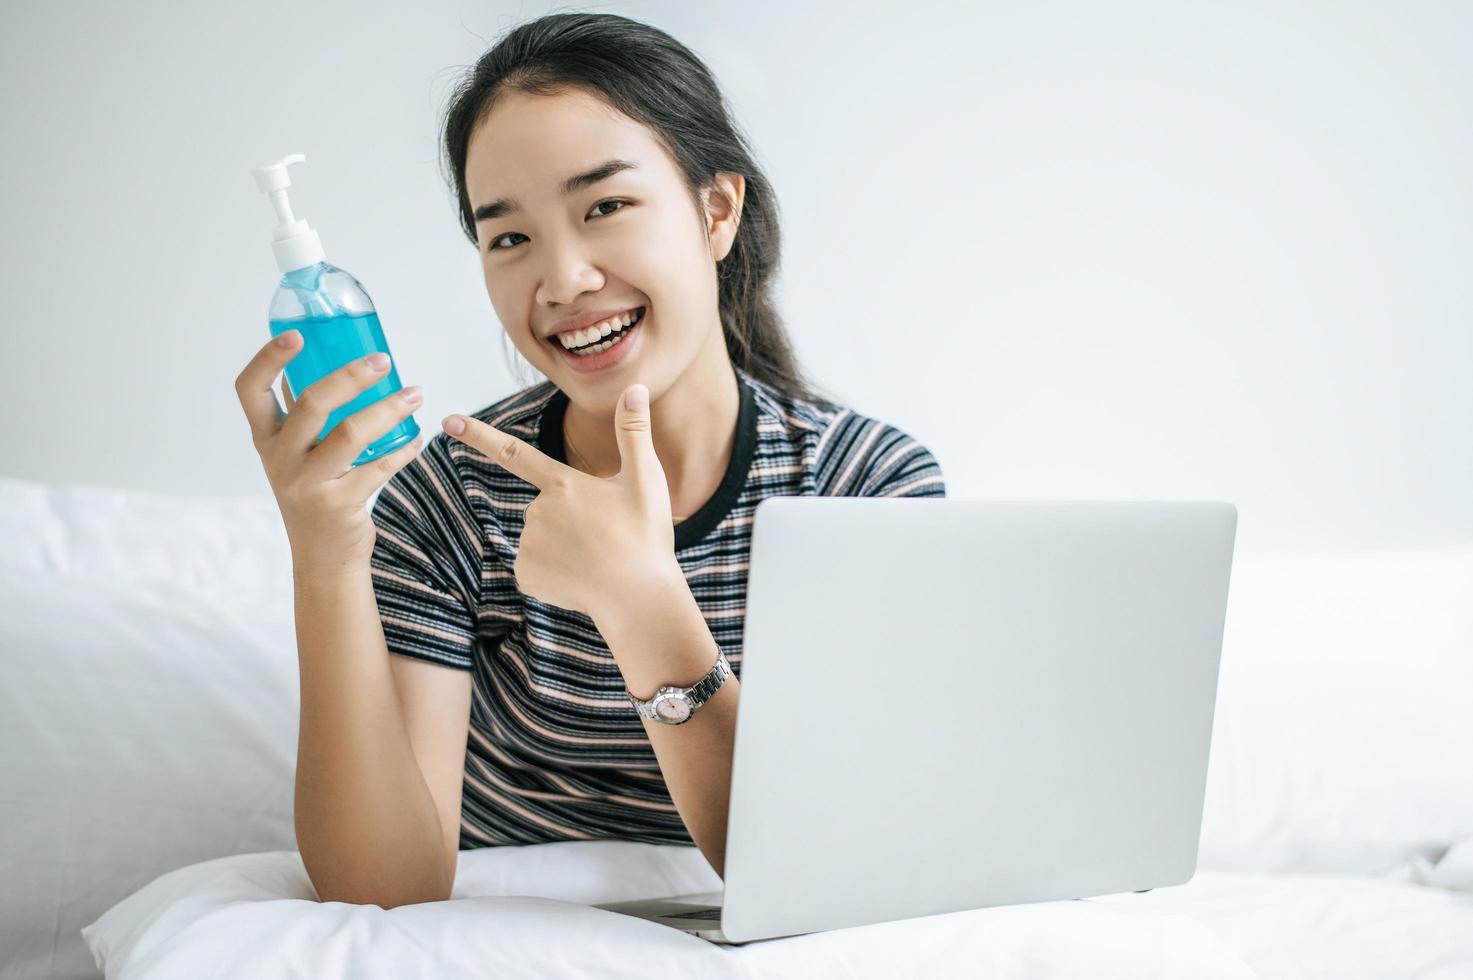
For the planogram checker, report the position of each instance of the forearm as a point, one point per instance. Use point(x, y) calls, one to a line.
point(663, 639)
point(367, 827)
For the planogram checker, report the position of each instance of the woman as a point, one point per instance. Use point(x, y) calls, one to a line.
point(578, 545)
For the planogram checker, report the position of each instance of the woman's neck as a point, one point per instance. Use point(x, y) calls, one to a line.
point(692, 424)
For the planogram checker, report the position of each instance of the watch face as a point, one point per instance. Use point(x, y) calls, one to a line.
point(674, 708)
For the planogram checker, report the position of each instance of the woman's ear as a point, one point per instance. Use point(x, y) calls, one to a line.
point(723, 212)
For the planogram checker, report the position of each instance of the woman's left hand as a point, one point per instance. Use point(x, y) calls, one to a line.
point(589, 544)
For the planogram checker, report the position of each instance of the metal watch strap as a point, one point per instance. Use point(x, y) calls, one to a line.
point(696, 695)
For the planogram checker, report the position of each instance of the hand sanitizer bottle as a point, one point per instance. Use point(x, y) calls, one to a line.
point(332, 310)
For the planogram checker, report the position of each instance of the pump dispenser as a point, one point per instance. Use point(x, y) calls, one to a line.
point(331, 310)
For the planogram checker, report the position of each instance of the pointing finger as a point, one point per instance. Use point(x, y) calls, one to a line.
point(507, 451)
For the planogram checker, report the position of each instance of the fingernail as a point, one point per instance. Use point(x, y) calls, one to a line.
point(413, 395)
point(378, 361)
point(453, 424)
point(287, 339)
point(638, 398)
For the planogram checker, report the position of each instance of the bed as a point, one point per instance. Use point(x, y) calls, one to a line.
point(148, 735)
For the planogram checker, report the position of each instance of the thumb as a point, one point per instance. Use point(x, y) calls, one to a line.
point(632, 430)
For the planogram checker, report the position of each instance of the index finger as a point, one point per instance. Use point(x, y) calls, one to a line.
point(510, 453)
point(253, 385)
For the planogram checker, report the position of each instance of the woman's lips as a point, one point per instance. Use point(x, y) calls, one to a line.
point(588, 363)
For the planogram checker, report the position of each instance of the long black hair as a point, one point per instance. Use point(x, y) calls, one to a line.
point(654, 79)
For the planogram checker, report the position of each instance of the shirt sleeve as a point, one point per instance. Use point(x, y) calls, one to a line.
point(865, 457)
point(905, 468)
point(427, 559)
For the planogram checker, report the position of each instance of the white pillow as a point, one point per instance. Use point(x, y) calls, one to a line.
point(148, 714)
point(1343, 736)
point(526, 912)
point(225, 545)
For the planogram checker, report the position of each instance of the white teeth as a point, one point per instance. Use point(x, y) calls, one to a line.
point(598, 348)
point(589, 334)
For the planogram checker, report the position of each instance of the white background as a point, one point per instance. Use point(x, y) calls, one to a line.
point(1126, 251)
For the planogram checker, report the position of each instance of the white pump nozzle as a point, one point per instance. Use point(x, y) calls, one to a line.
point(294, 242)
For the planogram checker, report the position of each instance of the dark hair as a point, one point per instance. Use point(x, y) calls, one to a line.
point(654, 79)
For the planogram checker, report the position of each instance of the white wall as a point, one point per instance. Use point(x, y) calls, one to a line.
point(1218, 252)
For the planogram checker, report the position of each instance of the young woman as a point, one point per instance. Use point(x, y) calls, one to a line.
point(575, 547)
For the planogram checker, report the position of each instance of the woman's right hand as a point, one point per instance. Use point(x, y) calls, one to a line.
point(321, 495)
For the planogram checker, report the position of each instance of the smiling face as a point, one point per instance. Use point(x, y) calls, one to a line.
point(622, 237)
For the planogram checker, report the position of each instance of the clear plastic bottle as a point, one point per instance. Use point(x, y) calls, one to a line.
point(332, 311)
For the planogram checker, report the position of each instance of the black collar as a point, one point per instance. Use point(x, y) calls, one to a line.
point(691, 530)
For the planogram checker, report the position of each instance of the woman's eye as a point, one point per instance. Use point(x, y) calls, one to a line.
point(492, 246)
point(610, 201)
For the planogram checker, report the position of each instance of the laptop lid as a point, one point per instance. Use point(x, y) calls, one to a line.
point(950, 704)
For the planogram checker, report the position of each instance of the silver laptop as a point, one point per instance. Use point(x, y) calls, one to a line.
point(953, 704)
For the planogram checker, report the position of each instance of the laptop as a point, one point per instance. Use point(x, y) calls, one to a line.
point(953, 704)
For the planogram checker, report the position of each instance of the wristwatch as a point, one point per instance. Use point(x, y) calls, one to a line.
point(675, 705)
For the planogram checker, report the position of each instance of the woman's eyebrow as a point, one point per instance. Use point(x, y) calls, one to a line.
point(506, 205)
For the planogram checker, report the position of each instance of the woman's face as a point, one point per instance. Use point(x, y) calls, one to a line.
point(633, 238)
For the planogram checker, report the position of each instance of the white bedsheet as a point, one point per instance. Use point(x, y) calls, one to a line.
point(1325, 925)
point(525, 912)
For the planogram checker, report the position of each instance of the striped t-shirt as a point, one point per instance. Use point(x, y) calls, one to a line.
point(556, 751)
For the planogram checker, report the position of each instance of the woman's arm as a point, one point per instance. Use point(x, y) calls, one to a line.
point(367, 826)
point(662, 638)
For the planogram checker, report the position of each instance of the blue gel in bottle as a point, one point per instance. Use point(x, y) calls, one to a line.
point(333, 313)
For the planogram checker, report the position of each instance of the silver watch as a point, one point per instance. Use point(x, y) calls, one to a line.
point(675, 705)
